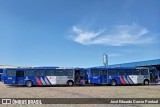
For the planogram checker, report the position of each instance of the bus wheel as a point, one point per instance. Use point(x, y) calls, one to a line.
point(70, 83)
point(146, 82)
point(29, 84)
point(113, 82)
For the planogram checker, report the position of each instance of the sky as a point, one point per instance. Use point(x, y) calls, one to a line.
point(77, 33)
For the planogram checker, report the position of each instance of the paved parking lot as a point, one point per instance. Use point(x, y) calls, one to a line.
point(151, 91)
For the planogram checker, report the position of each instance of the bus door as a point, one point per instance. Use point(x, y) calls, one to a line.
point(95, 76)
point(77, 76)
point(103, 76)
point(9, 76)
point(19, 77)
point(140, 77)
point(61, 78)
point(145, 74)
point(153, 75)
point(69, 73)
point(85, 77)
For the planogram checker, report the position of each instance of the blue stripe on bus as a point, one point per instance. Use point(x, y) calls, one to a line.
point(46, 80)
point(129, 79)
point(42, 81)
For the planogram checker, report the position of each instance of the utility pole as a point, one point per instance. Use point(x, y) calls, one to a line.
point(105, 60)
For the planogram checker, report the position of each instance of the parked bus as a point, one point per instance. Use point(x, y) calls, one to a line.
point(119, 75)
point(1, 72)
point(42, 76)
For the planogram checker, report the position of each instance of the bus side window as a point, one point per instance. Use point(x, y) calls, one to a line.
point(50, 72)
point(128, 71)
point(136, 72)
point(86, 72)
point(95, 72)
point(112, 72)
point(120, 71)
point(103, 72)
point(144, 71)
point(40, 72)
point(11, 73)
point(20, 73)
point(59, 72)
point(30, 73)
point(69, 72)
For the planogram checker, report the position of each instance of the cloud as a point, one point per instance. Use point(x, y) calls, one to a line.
point(75, 29)
point(120, 35)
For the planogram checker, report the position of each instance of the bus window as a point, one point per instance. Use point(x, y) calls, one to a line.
point(30, 73)
point(103, 72)
point(86, 72)
point(20, 73)
point(120, 72)
point(50, 72)
point(11, 73)
point(69, 72)
point(144, 71)
point(136, 72)
point(40, 72)
point(95, 72)
point(59, 72)
point(128, 71)
point(112, 72)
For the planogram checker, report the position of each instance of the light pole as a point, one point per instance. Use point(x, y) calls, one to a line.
point(105, 59)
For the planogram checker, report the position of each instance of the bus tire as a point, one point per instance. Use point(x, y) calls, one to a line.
point(70, 83)
point(113, 83)
point(29, 84)
point(146, 82)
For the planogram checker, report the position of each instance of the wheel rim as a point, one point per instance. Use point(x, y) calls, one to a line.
point(70, 83)
point(29, 84)
point(113, 83)
point(146, 82)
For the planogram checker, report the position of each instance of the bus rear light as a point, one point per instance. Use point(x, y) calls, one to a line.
point(82, 80)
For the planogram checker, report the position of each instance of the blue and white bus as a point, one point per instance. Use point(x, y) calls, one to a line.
point(119, 75)
point(42, 76)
